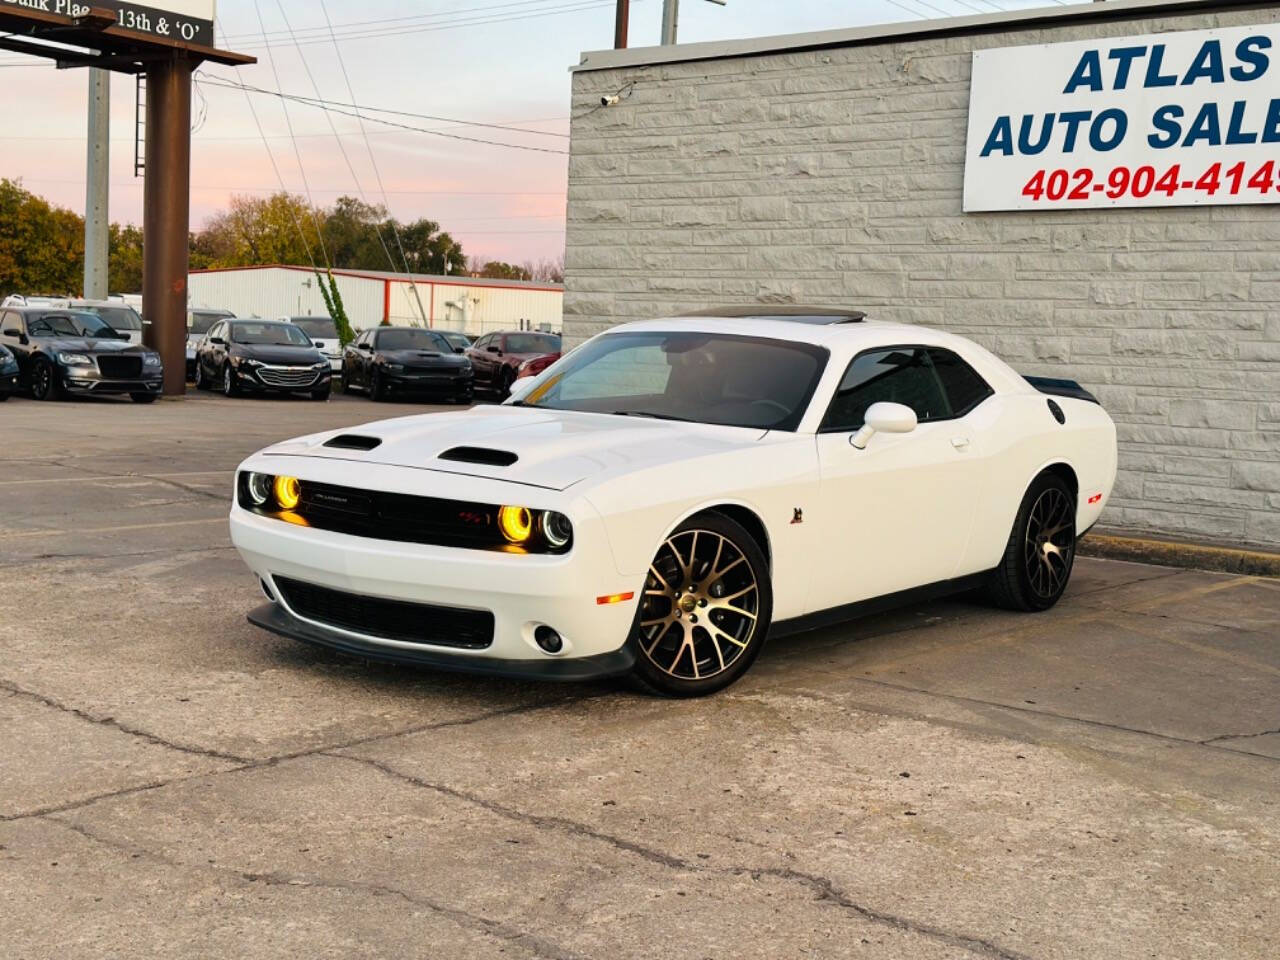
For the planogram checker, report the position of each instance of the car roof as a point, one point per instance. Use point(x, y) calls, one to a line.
point(794, 313)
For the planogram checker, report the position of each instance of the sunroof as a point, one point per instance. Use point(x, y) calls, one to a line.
point(823, 316)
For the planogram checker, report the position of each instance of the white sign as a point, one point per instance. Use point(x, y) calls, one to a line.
point(1170, 119)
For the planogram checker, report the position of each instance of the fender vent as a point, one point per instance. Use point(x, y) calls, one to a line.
point(351, 441)
point(482, 455)
point(1057, 412)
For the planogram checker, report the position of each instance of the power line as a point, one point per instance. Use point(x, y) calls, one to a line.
point(385, 123)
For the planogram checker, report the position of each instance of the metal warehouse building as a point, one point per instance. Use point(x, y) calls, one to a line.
point(471, 305)
point(1089, 191)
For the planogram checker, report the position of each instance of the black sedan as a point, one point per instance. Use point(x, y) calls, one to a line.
point(387, 361)
point(8, 373)
point(260, 356)
point(65, 352)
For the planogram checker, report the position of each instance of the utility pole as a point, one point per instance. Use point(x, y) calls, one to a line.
point(621, 24)
point(670, 21)
point(97, 237)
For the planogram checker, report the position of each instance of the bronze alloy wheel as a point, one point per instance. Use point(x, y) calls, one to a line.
point(705, 608)
point(1050, 543)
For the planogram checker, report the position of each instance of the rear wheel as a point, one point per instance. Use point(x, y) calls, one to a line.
point(1040, 554)
point(44, 381)
point(705, 611)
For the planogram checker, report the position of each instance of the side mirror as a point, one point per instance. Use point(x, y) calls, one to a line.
point(366, 347)
point(459, 349)
point(218, 340)
point(497, 350)
point(12, 332)
point(521, 389)
point(885, 418)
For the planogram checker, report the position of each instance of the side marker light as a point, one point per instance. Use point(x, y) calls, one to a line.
point(615, 598)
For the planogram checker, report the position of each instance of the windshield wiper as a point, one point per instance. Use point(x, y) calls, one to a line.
point(651, 416)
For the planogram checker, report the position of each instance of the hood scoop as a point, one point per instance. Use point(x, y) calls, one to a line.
point(480, 455)
point(352, 441)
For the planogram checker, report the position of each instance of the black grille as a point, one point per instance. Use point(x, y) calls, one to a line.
point(120, 368)
point(389, 619)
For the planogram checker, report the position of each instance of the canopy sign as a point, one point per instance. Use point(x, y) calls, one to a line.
point(1171, 119)
point(188, 21)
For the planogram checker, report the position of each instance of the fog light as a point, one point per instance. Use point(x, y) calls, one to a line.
point(288, 492)
point(548, 639)
point(260, 488)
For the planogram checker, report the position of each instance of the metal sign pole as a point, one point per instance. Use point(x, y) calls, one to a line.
point(97, 236)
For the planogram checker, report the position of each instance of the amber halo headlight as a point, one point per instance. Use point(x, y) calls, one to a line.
point(557, 529)
point(259, 487)
point(516, 524)
point(288, 492)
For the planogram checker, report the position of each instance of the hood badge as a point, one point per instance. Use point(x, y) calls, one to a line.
point(798, 517)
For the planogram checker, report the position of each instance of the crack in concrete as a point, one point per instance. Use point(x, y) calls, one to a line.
point(828, 892)
point(538, 946)
point(115, 724)
point(245, 765)
point(824, 887)
point(168, 552)
point(1239, 736)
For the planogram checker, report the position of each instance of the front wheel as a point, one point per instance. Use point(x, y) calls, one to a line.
point(377, 388)
point(1040, 554)
point(705, 611)
point(200, 382)
point(229, 386)
point(44, 381)
point(142, 397)
point(321, 394)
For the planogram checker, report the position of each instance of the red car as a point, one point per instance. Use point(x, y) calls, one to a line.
point(496, 358)
point(531, 368)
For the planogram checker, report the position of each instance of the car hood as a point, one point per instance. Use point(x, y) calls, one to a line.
point(88, 345)
point(270, 353)
point(423, 358)
point(554, 449)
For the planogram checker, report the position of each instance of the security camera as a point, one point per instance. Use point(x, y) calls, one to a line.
point(611, 101)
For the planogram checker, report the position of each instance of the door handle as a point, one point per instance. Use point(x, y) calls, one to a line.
point(960, 443)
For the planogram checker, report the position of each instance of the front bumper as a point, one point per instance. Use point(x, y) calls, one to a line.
point(259, 379)
point(522, 592)
point(86, 381)
point(9, 382)
point(441, 384)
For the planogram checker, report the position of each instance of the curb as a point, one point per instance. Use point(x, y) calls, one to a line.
point(1169, 553)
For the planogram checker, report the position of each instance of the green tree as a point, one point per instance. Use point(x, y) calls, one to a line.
point(124, 271)
point(41, 246)
point(497, 270)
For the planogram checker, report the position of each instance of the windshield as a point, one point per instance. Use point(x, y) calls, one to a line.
point(118, 318)
point(532, 343)
point(69, 325)
point(700, 377)
point(317, 327)
point(201, 321)
point(269, 334)
point(412, 340)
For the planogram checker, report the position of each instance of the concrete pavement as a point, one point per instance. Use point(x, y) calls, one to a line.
point(943, 781)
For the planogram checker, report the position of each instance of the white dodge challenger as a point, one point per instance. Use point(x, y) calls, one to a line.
point(671, 493)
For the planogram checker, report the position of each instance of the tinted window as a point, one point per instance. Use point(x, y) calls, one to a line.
point(961, 383)
point(701, 377)
point(118, 318)
point(69, 325)
point(202, 322)
point(482, 343)
point(532, 343)
point(898, 375)
point(317, 327)
point(269, 334)
point(412, 340)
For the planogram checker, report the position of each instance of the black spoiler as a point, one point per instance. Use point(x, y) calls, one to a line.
point(1061, 388)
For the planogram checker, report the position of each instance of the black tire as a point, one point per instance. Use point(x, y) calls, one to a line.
point(343, 386)
point(676, 654)
point(142, 397)
point(504, 381)
point(200, 382)
point(321, 394)
point(229, 386)
point(377, 389)
point(3, 397)
point(45, 384)
point(1040, 554)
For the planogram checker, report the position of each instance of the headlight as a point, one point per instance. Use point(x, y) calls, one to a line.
point(516, 524)
point(288, 492)
point(557, 529)
point(245, 362)
point(319, 366)
point(151, 360)
point(259, 487)
point(75, 360)
point(394, 367)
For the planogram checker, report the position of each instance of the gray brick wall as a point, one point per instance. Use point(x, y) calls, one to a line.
point(835, 176)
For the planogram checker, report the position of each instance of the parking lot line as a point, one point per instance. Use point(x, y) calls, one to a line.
point(119, 476)
point(120, 529)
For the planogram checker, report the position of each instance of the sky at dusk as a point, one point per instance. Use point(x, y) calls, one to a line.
point(478, 60)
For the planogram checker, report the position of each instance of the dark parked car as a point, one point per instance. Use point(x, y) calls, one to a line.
point(393, 361)
point(8, 373)
point(260, 356)
point(62, 352)
point(496, 358)
point(199, 322)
